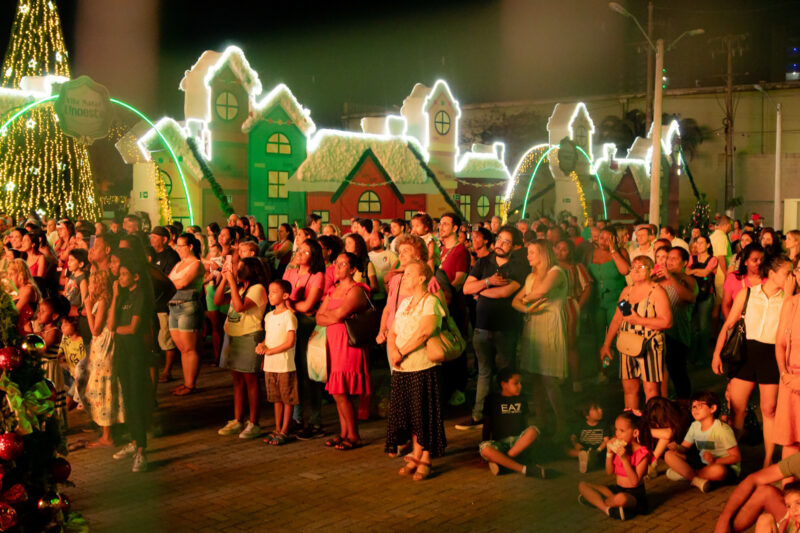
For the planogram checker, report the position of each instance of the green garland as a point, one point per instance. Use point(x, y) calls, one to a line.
point(8, 320)
point(226, 207)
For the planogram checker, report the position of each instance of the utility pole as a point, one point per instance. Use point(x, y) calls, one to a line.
point(649, 106)
point(655, 163)
point(730, 44)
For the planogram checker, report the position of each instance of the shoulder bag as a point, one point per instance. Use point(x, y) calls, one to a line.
point(735, 349)
point(362, 327)
point(631, 343)
point(448, 344)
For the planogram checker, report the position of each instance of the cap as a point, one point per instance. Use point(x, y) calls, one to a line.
point(161, 231)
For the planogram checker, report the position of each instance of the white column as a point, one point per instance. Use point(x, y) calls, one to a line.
point(655, 164)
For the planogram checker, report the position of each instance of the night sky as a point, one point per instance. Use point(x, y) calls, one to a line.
point(370, 54)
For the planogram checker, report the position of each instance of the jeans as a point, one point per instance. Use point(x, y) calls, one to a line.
point(494, 350)
point(310, 407)
point(133, 370)
point(676, 366)
point(701, 337)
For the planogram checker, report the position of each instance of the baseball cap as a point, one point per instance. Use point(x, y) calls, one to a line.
point(161, 231)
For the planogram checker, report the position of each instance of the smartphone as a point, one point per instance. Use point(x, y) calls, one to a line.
point(625, 307)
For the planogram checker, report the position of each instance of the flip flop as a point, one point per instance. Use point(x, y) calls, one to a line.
point(279, 439)
point(334, 441)
point(98, 444)
point(165, 379)
point(347, 445)
point(184, 391)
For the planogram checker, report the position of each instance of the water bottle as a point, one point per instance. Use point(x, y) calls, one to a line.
point(606, 361)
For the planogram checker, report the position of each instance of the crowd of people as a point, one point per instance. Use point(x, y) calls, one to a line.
point(546, 307)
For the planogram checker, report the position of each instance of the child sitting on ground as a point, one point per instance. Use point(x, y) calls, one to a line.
point(719, 453)
point(628, 459)
point(590, 437)
point(280, 326)
point(506, 433)
point(72, 355)
point(790, 523)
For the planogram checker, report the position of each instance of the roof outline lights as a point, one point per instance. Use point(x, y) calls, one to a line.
point(578, 107)
point(255, 83)
point(429, 100)
point(607, 151)
point(468, 156)
point(320, 135)
point(274, 97)
point(204, 137)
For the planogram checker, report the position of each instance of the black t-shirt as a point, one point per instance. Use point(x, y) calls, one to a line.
point(129, 305)
point(504, 416)
point(591, 436)
point(163, 289)
point(166, 260)
point(496, 314)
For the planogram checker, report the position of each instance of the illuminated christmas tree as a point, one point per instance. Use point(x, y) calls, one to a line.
point(41, 169)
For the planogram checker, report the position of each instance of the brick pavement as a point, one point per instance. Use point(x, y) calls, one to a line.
point(201, 482)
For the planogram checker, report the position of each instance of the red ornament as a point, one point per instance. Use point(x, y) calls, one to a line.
point(53, 391)
point(10, 446)
point(10, 358)
point(61, 469)
point(8, 516)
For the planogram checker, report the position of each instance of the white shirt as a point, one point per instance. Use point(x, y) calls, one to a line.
point(718, 440)
point(276, 325)
point(405, 325)
point(762, 315)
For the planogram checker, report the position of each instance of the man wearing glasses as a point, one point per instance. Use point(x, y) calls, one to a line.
point(494, 280)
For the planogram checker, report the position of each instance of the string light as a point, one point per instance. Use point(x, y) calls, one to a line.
point(581, 197)
point(165, 210)
point(62, 170)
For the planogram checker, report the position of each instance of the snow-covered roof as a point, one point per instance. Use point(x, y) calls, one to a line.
point(484, 161)
point(440, 88)
point(175, 134)
point(559, 124)
point(233, 57)
point(282, 96)
point(332, 155)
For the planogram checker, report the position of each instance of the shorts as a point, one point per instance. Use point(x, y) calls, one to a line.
point(186, 316)
point(504, 445)
point(282, 387)
point(760, 365)
point(648, 367)
point(165, 341)
point(638, 492)
point(731, 471)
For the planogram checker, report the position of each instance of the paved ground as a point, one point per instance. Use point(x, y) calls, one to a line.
point(201, 482)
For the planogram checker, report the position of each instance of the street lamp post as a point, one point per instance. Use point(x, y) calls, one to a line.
point(777, 208)
point(655, 162)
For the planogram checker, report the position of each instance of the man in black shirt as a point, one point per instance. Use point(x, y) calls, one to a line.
point(494, 279)
point(163, 260)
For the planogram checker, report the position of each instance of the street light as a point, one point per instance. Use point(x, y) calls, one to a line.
point(777, 208)
point(655, 165)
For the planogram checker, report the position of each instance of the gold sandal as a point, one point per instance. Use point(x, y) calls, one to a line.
point(421, 474)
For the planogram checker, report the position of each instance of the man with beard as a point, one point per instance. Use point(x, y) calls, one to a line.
point(494, 280)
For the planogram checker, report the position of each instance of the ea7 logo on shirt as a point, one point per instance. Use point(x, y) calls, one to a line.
point(511, 408)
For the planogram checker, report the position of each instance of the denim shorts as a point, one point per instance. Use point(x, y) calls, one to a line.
point(186, 316)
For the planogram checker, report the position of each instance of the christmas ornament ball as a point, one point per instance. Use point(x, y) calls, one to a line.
point(8, 516)
point(61, 469)
point(33, 345)
point(10, 446)
point(49, 502)
point(10, 358)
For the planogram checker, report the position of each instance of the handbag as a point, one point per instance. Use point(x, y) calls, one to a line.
point(631, 343)
point(317, 355)
point(449, 344)
point(362, 327)
point(735, 348)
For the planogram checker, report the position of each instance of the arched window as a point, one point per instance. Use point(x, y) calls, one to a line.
point(226, 105)
point(483, 206)
point(369, 202)
point(442, 122)
point(582, 135)
point(278, 143)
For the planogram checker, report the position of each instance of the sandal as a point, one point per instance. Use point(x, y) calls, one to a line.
point(348, 444)
point(164, 378)
point(334, 441)
point(184, 391)
point(279, 439)
point(100, 444)
point(423, 471)
point(409, 467)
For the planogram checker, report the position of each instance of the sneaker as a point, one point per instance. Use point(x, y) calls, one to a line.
point(139, 462)
point(469, 423)
point(494, 468)
point(703, 484)
point(457, 398)
point(126, 451)
point(652, 471)
point(309, 432)
point(231, 428)
point(583, 461)
point(617, 513)
point(674, 476)
point(537, 471)
point(250, 431)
